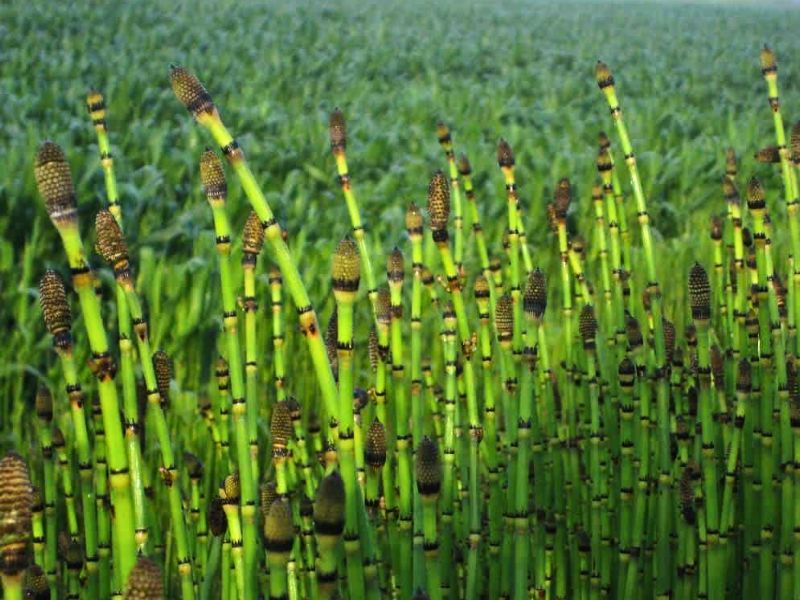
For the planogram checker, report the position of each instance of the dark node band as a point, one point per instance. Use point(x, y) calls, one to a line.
point(230, 148)
point(345, 285)
point(82, 270)
point(439, 235)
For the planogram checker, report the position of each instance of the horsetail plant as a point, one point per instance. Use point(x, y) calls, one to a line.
point(145, 581)
point(54, 181)
point(429, 480)
point(16, 502)
point(338, 135)
point(594, 454)
point(191, 93)
point(212, 176)
point(439, 213)
point(446, 142)
point(252, 243)
point(96, 106)
point(278, 542)
point(345, 277)
point(329, 523)
point(112, 246)
point(606, 83)
point(58, 320)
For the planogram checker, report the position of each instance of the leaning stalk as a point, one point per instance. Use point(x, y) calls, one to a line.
point(55, 185)
point(198, 101)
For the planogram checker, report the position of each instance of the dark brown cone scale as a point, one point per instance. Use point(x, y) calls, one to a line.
point(633, 331)
point(729, 190)
point(194, 466)
point(794, 143)
point(144, 581)
point(768, 63)
point(504, 318)
point(438, 202)
point(603, 75)
point(780, 293)
point(587, 324)
point(743, 377)
point(716, 227)
point(268, 493)
point(329, 505)
point(190, 92)
point(44, 404)
point(384, 304)
point(70, 551)
point(53, 300)
point(162, 365)
point(427, 276)
point(281, 425)
point(217, 521)
point(505, 155)
point(603, 160)
point(278, 527)
point(669, 338)
point(295, 410)
point(731, 167)
point(36, 585)
point(769, 155)
point(212, 176)
point(253, 234)
point(552, 219)
point(332, 340)
point(375, 446)
point(16, 506)
point(464, 168)
point(54, 180)
point(337, 130)
point(481, 287)
point(443, 132)
point(699, 293)
point(395, 266)
point(373, 348)
point(534, 299)
point(428, 467)
point(346, 268)
point(110, 242)
point(414, 219)
point(231, 489)
point(755, 195)
point(37, 502)
point(563, 197)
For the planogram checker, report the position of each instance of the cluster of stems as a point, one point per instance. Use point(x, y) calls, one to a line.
point(638, 441)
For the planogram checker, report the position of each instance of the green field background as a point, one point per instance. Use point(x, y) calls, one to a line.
point(688, 78)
